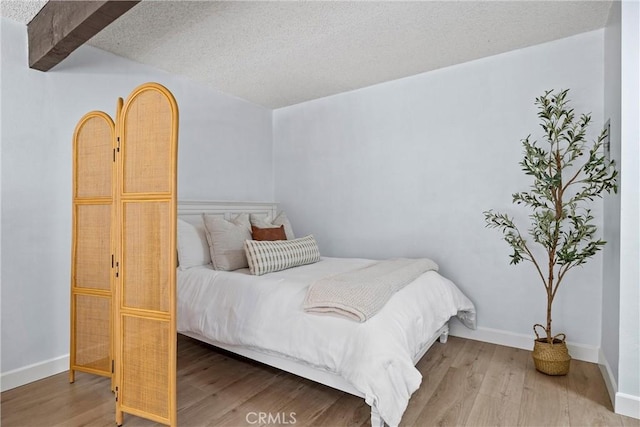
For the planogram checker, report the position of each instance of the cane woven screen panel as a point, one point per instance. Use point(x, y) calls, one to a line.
point(92, 258)
point(93, 332)
point(148, 122)
point(91, 340)
point(93, 151)
point(146, 211)
point(145, 259)
point(145, 365)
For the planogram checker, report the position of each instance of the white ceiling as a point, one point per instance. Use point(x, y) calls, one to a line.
point(277, 53)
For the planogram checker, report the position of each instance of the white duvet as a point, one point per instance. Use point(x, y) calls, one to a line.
point(265, 313)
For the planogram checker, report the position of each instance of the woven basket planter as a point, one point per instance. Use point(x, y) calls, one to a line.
point(551, 358)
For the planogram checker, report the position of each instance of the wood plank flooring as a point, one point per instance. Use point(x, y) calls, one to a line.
point(465, 383)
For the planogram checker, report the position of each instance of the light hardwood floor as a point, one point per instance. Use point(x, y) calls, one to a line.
point(466, 383)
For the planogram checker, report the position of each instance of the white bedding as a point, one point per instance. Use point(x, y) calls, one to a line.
point(265, 313)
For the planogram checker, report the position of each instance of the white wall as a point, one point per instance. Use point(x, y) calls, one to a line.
point(628, 396)
point(611, 266)
point(224, 153)
point(620, 359)
point(406, 168)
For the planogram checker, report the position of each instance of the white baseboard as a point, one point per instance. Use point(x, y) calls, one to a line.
point(583, 352)
point(623, 404)
point(628, 405)
point(35, 372)
point(609, 378)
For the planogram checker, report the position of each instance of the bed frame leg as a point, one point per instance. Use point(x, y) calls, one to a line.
point(444, 336)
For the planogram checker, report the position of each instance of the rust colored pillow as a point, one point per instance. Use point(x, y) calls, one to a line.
point(268, 233)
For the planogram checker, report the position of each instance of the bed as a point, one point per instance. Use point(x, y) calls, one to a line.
point(262, 318)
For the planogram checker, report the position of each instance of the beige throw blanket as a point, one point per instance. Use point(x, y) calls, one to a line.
point(361, 293)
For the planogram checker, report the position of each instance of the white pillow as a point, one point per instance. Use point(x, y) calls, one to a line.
point(193, 249)
point(266, 256)
point(280, 219)
point(226, 241)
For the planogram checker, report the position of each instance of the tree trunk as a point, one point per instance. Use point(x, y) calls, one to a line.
point(549, 302)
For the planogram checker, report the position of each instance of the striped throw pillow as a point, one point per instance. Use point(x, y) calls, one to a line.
point(268, 256)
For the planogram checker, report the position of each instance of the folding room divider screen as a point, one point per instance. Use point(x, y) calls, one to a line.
point(123, 316)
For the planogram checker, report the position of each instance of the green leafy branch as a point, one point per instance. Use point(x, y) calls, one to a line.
point(563, 185)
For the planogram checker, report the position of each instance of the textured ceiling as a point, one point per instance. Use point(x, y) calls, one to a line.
point(281, 53)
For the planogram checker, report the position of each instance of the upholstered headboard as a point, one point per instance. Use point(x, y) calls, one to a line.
point(192, 210)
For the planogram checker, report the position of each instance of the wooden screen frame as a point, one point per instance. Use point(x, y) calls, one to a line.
point(124, 312)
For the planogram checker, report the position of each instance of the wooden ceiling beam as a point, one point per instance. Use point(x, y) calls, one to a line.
point(63, 26)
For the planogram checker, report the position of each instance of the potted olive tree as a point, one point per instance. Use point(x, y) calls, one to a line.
point(568, 174)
